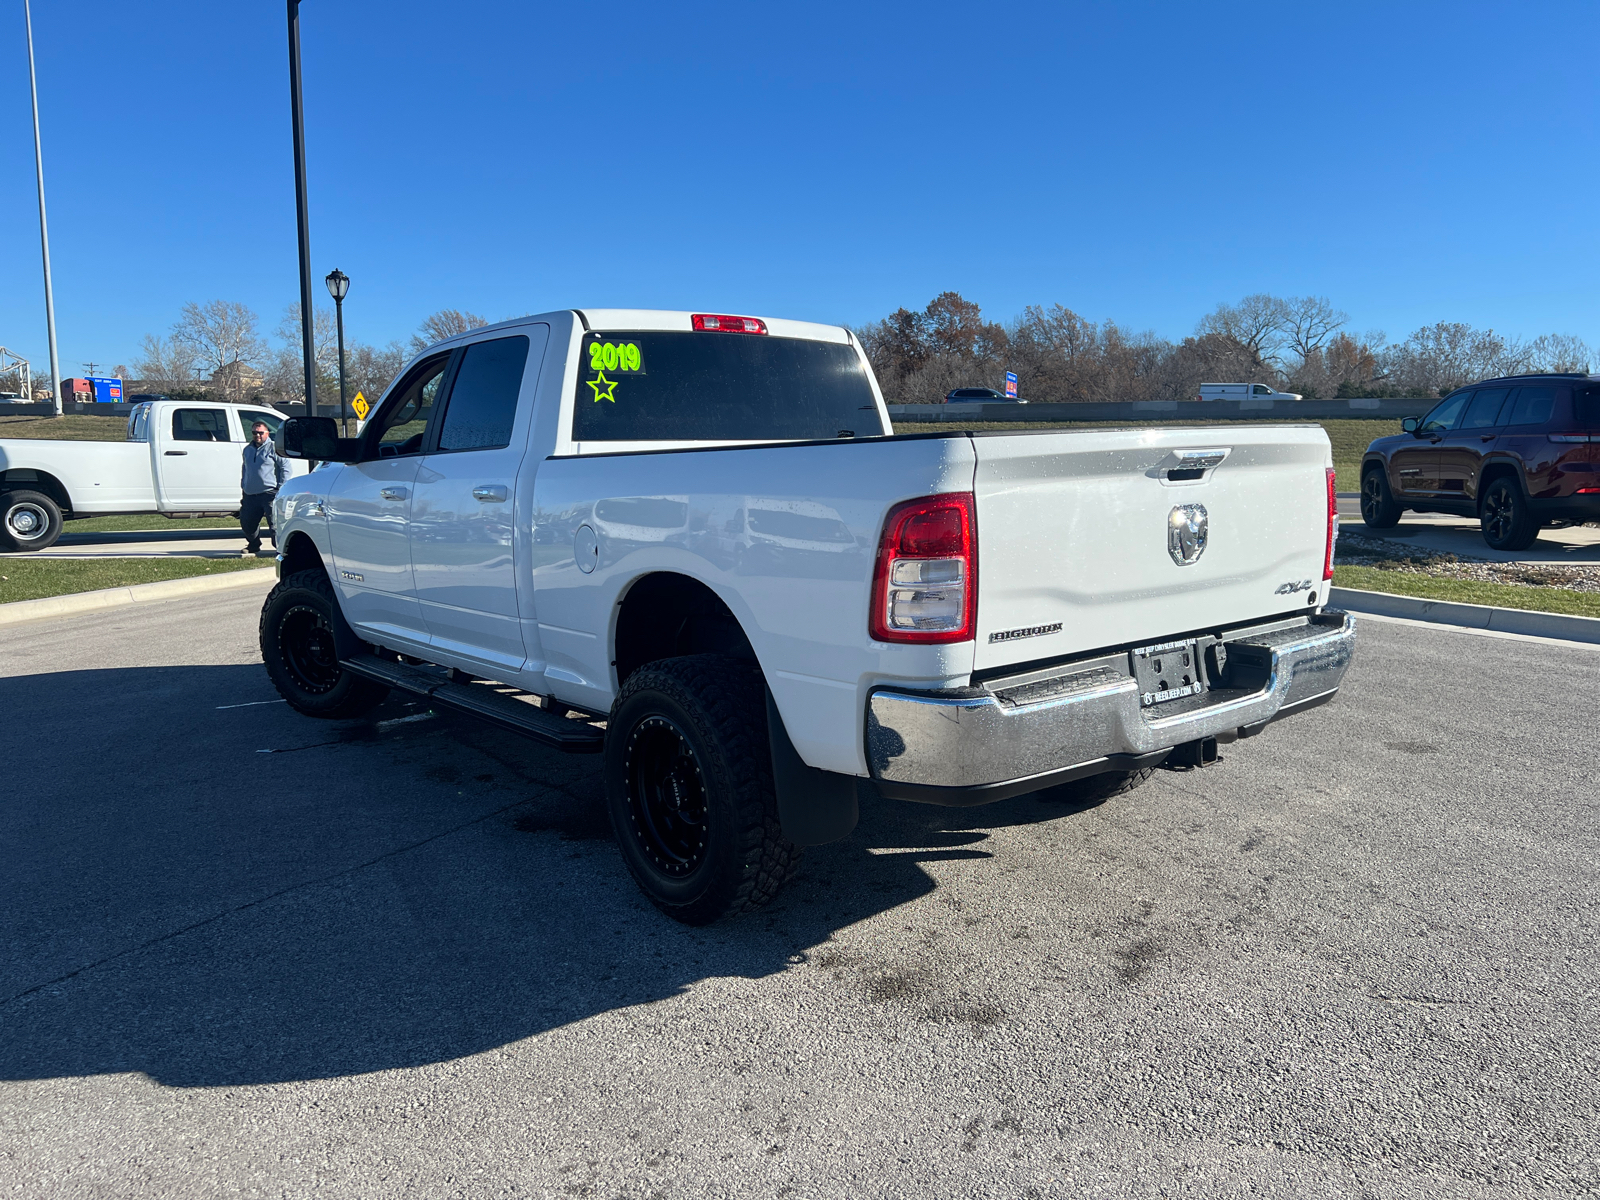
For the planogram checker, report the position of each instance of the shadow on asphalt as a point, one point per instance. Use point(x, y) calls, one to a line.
point(369, 895)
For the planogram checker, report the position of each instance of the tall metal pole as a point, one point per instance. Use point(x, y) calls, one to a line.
point(344, 412)
point(308, 346)
point(44, 228)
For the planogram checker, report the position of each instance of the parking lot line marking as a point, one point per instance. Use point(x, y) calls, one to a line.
point(250, 704)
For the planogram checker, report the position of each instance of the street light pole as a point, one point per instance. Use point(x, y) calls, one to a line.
point(308, 347)
point(44, 228)
point(338, 285)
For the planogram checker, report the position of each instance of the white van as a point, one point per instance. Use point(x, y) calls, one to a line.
point(1241, 391)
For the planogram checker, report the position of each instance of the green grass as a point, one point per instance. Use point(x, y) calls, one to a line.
point(74, 427)
point(1350, 438)
point(35, 578)
point(141, 521)
point(1469, 591)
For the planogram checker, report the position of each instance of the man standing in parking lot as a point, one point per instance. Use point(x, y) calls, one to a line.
point(263, 474)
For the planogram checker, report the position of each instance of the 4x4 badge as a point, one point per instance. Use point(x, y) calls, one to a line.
point(1187, 529)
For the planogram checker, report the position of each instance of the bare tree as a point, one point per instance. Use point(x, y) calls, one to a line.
point(445, 323)
point(1560, 352)
point(165, 364)
point(1255, 323)
point(1308, 322)
point(222, 337)
point(369, 370)
point(286, 377)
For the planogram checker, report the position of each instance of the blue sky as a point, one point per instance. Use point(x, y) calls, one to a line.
point(1413, 163)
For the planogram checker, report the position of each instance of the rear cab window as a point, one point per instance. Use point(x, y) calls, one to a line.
point(653, 386)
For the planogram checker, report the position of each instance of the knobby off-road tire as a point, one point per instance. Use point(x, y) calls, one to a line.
point(1507, 522)
point(297, 647)
point(29, 520)
point(1379, 509)
point(1097, 789)
point(689, 788)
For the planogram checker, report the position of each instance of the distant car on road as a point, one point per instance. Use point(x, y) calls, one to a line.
point(979, 396)
point(1243, 391)
point(1516, 453)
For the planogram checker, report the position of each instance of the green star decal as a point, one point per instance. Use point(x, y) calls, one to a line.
point(604, 388)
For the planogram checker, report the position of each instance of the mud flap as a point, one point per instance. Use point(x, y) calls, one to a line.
point(815, 806)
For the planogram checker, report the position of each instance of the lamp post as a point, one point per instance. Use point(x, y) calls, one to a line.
point(339, 284)
point(44, 229)
point(308, 348)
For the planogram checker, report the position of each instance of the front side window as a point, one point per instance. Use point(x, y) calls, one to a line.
point(483, 399)
point(399, 429)
point(719, 387)
point(200, 425)
point(1262, 389)
point(249, 417)
point(1484, 411)
point(1532, 406)
point(1445, 415)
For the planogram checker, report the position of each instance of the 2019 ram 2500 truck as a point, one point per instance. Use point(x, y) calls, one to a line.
point(700, 530)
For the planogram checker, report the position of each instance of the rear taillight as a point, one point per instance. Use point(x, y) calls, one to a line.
point(925, 588)
point(717, 323)
point(1333, 525)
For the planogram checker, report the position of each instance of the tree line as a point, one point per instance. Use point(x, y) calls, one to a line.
point(1295, 344)
point(216, 350)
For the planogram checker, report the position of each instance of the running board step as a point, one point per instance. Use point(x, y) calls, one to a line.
point(564, 733)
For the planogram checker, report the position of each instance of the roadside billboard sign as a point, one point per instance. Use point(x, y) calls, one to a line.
point(1011, 385)
point(107, 389)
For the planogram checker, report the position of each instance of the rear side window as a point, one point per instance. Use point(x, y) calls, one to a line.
point(719, 387)
point(200, 425)
point(1586, 407)
point(1484, 411)
point(1445, 415)
point(483, 399)
point(1532, 406)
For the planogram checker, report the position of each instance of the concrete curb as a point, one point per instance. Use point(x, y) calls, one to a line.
point(140, 593)
point(1472, 616)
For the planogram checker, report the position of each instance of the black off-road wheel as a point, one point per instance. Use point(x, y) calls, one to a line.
point(29, 520)
point(297, 646)
point(1507, 522)
point(689, 788)
point(1379, 509)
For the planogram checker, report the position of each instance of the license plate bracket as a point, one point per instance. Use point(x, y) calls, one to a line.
point(1168, 671)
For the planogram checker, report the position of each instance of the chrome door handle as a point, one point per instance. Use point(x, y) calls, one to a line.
point(495, 493)
point(176, 453)
point(393, 493)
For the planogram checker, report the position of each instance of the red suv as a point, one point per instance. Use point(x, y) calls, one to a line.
point(1515, 453)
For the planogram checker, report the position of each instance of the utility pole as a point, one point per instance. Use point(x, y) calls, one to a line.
point(44, 228)
point(308, 346)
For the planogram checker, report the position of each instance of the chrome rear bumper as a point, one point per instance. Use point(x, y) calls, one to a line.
point(977, 745)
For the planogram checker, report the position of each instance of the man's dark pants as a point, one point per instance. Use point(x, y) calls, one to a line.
point(252, 509)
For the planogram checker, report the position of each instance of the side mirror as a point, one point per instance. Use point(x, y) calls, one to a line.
point(318, 438)
point(1410, 424)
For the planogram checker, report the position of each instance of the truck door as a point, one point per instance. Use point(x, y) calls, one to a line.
point(369, 509)
point(198, 464)
point(464, 513)
point(1462, 450)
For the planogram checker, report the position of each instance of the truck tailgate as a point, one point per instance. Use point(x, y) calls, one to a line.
point(1073, 533)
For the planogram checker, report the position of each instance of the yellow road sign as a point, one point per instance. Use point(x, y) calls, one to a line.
point(360, 405)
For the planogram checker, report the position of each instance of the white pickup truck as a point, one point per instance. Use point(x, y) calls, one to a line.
point(180, 458)
point(690, 542)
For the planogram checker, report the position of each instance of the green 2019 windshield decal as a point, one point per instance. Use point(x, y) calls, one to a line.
point(616, 356)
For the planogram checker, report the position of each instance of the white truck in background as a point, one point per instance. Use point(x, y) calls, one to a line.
point(701, 530)
point(1244, 391)
point(180, 458)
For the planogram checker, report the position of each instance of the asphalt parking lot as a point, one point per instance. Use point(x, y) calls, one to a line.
point(251, 954)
